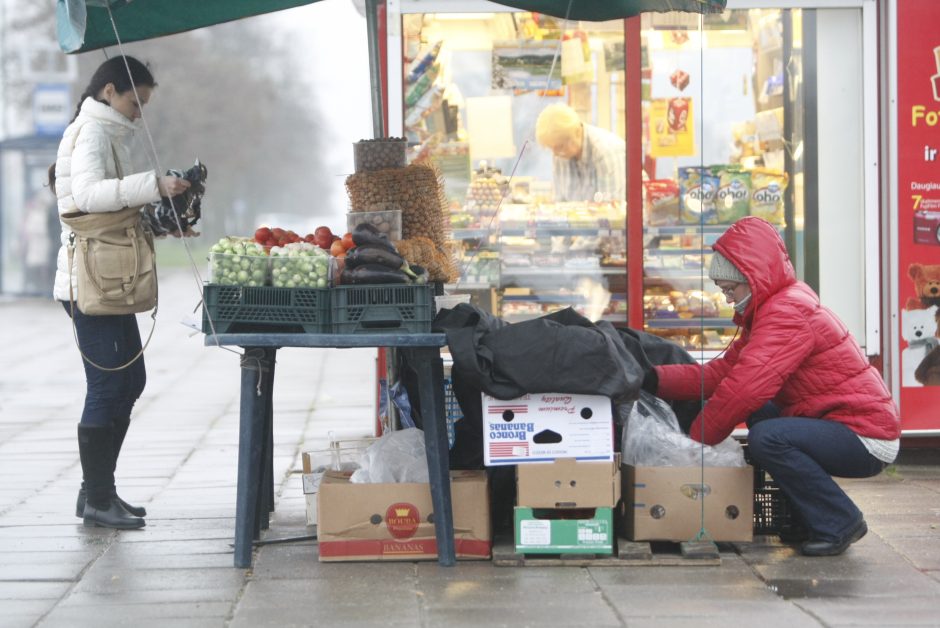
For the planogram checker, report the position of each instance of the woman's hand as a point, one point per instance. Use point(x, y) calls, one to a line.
point(172, 186)
point(188, 233)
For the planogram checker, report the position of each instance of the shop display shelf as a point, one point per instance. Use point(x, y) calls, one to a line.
point(371, 309)
point(265, 308)
point(675, 323)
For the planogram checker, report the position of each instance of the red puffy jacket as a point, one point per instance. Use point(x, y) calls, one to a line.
point(792, 351)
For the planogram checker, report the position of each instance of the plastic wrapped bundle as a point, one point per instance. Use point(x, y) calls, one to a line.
point(652, 438)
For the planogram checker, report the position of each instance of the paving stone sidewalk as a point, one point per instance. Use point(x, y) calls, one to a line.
point(180, 462)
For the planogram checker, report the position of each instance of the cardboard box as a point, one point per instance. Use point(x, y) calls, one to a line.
point(544, 426)
point(546, 531)
point(665, 503)
point(568, 483)
point(395, 521)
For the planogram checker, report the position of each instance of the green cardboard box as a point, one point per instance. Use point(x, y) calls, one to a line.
point(543, 531)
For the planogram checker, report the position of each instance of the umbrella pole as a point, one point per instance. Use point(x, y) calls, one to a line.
point(375, 67)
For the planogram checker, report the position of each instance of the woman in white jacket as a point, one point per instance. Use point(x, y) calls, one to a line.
point(85, 178)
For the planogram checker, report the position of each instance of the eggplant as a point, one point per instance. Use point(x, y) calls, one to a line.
point(373, 254)
point(372, 273)
point(365, 234)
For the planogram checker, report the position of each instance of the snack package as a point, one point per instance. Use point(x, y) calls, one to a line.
point(733, 200)
point(661, 202)
point(767, 188)
point(697, 190)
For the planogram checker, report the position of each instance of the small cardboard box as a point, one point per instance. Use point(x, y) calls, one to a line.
point(541, 427)
point(665, 503)
point(395, 521)
point(547, 531)
point(568, 483)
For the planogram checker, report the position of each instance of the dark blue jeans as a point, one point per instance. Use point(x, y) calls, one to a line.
point(802, 455)
point(109, 341)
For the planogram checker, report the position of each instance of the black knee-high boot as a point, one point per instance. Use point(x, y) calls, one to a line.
point(95, 448)
point(120, 431)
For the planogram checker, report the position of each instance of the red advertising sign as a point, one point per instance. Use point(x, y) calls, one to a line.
point(918, 73)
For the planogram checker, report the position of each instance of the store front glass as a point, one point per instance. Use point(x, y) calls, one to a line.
point(730, 116)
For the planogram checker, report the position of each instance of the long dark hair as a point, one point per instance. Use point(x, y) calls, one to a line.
point(113, 71)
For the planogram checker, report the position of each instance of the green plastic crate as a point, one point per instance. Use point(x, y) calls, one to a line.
point(377, 309)
point(264, 308)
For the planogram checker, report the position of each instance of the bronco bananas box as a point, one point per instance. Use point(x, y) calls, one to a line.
point(396, 521)
point(541, 427)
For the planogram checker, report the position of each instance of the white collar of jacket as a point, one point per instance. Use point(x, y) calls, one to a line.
point(113, 121)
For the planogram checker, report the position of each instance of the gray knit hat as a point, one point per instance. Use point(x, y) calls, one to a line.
point(722, 269)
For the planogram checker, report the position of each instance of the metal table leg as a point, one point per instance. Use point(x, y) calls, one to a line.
point(429, 368)
point(256, 385)
point(266, 501)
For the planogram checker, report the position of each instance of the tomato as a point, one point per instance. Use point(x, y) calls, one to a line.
point(348, 241)
point(262, 235)
point(278, 233)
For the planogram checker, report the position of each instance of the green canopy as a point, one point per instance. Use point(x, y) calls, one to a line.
point(600, 10)
point(84, 25)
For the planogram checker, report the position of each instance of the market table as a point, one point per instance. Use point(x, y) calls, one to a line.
point(255, 495)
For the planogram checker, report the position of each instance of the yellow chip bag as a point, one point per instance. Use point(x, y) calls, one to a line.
point(767, 188)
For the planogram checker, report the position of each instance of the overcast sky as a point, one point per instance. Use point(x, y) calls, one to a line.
point(331, 36)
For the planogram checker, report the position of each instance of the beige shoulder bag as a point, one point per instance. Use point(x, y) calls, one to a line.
point(113, 259)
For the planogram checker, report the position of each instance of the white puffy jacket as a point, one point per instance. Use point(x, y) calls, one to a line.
point(86, 175)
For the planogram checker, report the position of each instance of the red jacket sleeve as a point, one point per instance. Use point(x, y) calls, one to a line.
point(750, 374)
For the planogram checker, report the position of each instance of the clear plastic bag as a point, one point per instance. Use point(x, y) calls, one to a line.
point(395, 457)
point(652, 438)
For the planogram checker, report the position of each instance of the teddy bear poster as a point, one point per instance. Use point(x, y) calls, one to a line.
point(920, 328)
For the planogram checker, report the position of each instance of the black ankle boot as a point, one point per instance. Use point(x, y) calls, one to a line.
point(114, 516)
point(95, 448)
point(137, 511)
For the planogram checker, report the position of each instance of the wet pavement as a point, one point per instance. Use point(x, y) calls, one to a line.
point(180, 461)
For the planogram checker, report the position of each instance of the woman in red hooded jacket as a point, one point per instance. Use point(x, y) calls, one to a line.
point(814, 405)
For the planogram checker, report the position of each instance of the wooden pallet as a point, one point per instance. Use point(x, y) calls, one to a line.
point(629, 553)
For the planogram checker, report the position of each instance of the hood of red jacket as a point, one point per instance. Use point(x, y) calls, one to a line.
point(755, 247)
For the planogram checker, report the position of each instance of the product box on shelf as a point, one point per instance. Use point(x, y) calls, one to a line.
point(382, 309)
point(568, 483)
point(386, 221)
point(667, 503)
point(564, 531)
point(396, 521)
point(541, 427)
point(265, 308)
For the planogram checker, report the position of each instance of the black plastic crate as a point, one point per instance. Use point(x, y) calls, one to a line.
point(377, 309)
point(774, 513)
point(265, 308)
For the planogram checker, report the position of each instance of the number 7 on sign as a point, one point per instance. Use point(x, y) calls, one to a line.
point(917, 199)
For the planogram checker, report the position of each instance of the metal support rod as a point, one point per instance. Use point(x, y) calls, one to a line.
point(375, 65)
